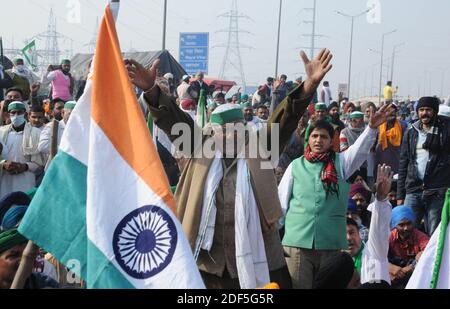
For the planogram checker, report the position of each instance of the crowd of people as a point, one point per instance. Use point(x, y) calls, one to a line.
point(356, 194)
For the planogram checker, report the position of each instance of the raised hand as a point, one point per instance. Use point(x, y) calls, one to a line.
point(316, 69)
point(140, 76)
point(34, 88)
point(379, 117)
point(384, 181)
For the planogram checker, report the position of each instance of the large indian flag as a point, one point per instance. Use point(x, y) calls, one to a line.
point(105, 201)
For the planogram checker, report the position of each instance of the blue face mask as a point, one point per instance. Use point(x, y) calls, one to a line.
point(17, 120)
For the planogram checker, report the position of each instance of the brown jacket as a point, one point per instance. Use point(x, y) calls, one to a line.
point(190, 189)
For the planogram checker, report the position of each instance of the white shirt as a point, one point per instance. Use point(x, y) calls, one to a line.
point(422, 154)
point(375, 265)
point(45, 140)
point(13, 151)
point(182, 91)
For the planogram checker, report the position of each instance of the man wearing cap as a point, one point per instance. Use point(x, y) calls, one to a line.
point(424, 172)
point(22, 159)
point(406, 245)
point(12, 245)
point(62, 81)
point(172, 86)
point(183, 89)
point(390, 138)
point(47, 138)
point(21, 77)
point(321, 113)
point(234, 248)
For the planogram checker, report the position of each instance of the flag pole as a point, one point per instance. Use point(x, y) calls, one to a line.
point(1, 53)
point(26, 265)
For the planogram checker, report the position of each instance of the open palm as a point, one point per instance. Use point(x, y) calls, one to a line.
point(384, 181)
point(316, 69)
point(140, 76)
point(379, 117)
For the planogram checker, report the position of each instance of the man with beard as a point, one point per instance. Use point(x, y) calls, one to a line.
point(48, 136)
point(424, 172)
point(390, 138)
point(406, 245)
point(62, 81)
point(333, 112)
point(228, 205)
point(350, 134)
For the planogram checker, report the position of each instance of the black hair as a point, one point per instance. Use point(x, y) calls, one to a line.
point(283, 76)
point(56, 100)
point(261, 106)
point(322, 124)
point(37, 109)
point(350, 221)
point(17, 89)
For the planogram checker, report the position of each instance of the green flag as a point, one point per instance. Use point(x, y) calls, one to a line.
point(29, 52)
point(201, 110)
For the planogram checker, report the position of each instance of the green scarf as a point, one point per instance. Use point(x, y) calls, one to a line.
point(357, 259)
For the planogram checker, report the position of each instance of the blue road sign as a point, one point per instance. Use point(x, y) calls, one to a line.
point(194, 52)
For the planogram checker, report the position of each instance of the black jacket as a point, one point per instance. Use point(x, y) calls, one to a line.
point(437, 173)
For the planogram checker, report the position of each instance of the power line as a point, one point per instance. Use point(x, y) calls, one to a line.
point(232, 58)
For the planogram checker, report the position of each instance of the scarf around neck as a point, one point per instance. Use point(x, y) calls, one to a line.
point(393, 135)
point(328, 175)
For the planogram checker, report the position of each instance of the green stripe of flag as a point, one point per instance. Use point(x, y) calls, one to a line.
point(56, 222)
point(56, 217)
point(441, 241)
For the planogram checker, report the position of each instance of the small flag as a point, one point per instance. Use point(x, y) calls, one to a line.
point(105, 205)
point(29, 52)
point(202, 118)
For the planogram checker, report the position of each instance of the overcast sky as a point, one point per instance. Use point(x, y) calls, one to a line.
point(422, 25)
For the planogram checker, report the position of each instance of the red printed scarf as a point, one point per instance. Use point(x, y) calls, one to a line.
point(329, 174)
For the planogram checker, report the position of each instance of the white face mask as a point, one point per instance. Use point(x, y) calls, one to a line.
point(17, 120)
point(20, 67)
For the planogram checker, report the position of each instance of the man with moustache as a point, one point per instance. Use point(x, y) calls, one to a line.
point(424, 172)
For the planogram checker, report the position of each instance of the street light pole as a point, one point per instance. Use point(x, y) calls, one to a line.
point(352, 17)
point(278, 39)
point(164, 26)
point(393, 60)
point(381, 67)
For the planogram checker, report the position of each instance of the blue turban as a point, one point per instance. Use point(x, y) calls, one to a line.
point(401, 213)
point(13, 216)
point(14, 198)
point(351, 206)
